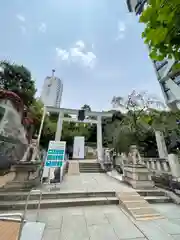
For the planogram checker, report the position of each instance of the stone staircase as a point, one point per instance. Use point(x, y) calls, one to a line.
point(17, 201)
point(56, 199)
point(90, 167)
point(154, 195)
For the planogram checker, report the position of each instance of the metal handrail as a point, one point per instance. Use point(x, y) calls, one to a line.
point(39, 202)
point(7, 217)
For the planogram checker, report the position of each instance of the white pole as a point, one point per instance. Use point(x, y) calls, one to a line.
point(41, 126)
point(59, 127)
point(99, 138)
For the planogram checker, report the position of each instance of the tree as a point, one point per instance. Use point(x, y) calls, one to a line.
point(135, 105)
point(17, 78)
point(86, 107)
point(135, 127)
point(162, 31)
point(36, 111)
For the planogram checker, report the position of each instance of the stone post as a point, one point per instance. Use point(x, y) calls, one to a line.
point(99, 138)
point(174, 165)
point(161, 145)
point(23, 176)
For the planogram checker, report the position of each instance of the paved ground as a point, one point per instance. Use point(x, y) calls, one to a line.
point(105, 223)
point(87, 223)
point(169, 210)
point(92, 182)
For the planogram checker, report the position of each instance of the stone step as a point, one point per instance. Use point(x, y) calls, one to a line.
point(150, 192)
point(158, 199)
point(56, 203)
point(88, 168)
point(89, 163)
point(91, 170)
point(20, 196)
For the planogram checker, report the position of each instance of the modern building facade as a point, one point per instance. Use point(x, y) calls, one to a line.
point(169, 82)
point(52, 91)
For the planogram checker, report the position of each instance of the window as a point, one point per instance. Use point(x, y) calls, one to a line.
point(160, 64)
point(167, 91)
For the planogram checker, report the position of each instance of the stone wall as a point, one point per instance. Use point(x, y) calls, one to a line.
point(12, 148)
point(13, 141)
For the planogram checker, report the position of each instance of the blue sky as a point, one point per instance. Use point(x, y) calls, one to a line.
point(95, 47)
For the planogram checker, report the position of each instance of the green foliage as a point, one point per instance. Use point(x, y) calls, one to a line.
point(162, 28)
point(86, 107)
point(17, 78)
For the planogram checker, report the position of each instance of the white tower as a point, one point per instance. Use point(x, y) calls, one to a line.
point(52, 91)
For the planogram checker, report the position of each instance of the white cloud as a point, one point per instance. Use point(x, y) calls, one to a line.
point(80, 44)
point(20, 17)
point(78, 54)
point(42, 27)
point(121, 30)
point(62, 53)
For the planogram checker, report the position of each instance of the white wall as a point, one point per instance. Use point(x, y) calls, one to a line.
point(78, 148)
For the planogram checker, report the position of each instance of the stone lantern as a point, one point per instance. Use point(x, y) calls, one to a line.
point(135, 171)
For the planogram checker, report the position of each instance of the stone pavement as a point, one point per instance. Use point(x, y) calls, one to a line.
point(92, 182)
point(106, 223)
point(91, 223)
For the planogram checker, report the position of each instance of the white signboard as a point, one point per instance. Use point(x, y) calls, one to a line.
point(55, 154)
point(55, 157)
point(78, 148)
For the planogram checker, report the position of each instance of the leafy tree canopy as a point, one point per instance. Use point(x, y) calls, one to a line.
point(17, 78)
point(86, 107)
point(162, 30)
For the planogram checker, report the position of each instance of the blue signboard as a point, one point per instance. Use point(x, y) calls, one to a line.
point(55, 154)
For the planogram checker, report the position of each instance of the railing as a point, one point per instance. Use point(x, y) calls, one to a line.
point(157, 165)
point(39, 203)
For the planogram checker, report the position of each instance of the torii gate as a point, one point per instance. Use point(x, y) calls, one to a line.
point(61, 118)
